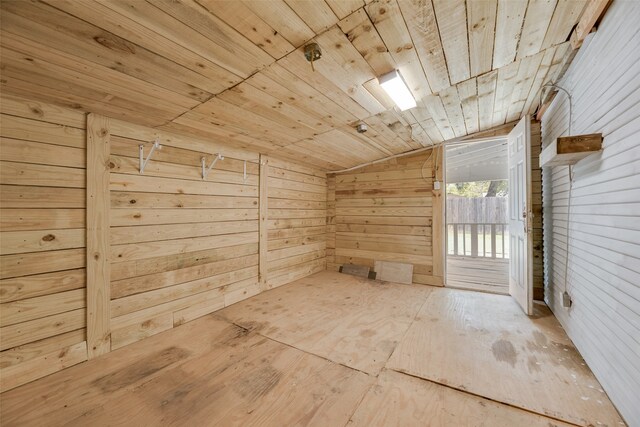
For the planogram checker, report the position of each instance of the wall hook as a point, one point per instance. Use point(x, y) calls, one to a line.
point(143, 161)
point(205, 169)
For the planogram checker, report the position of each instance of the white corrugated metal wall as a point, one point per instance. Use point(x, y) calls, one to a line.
point(603, 274)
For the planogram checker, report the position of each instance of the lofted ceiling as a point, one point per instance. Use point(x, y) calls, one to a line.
point(234, 71)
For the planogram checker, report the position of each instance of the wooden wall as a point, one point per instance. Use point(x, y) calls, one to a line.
point(95, 255)
point(181, 247)
point(297, 228)
point(536, 199)
point(597, 238)
point(42, 240)
point(386, 211)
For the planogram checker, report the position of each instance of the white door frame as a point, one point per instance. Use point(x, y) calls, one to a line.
point(520, 215)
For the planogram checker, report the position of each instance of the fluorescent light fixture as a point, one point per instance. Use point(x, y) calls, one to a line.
point(397, 89)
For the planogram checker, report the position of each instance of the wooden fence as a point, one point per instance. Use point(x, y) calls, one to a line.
point(477, 227)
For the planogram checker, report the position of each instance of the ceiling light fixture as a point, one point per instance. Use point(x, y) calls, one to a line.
point(397, 89)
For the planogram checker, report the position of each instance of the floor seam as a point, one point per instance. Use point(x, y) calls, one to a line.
point(364, 395)
point(299, 349)
point(406, 331)
point(449, 386)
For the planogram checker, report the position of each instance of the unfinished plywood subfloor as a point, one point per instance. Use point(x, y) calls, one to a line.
point(206, 372)
point(214, 372)
point(402, 400)
point(349, 320)
point(485, 345)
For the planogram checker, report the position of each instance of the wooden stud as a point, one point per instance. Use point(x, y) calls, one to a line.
point(98, 262)
point(591, 14)
point(263, 224)
point(437, 225)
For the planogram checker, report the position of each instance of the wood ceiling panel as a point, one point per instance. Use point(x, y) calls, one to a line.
point(251, 25)
point(314, 149)
point(374, 88)
point(247, 97)
point(486, 97)
point(25, 53)
point(258, 126)
point(192, 26)
point(283, 19)
point(468, 91)
point(215, 133)
point(421, 20)
point(508, 27)
point(453, 107)
point(343, 8)
point(541, 74)
point(296, 64)
point(432, 131)
point(364, 37)
point(535, 26)
point(438, 113)
point(504, 86)
point(316, 14)
point(342, 142)
point(132, 31)
point(524, 80)
point(280, 83)
point(422, 118)
point(270, 94)
point(343, 65)
point(388, 135)
point(388, 20)
point(21, 83)
point(564, 18)
point(235, 71)
point(60, 31)
point(481, 20)
point(452, 23)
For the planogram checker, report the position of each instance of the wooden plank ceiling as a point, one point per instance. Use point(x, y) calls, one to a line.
point(234, 71)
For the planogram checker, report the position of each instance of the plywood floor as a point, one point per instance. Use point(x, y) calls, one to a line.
point(331, 350)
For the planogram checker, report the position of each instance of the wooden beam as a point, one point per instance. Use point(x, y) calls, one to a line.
point(263, 224)
point(568, 150)
point(437, 224)
point(98, 262)
point(591, 15)
point(543, 108)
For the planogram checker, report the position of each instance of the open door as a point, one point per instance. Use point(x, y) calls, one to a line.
point(520, 215)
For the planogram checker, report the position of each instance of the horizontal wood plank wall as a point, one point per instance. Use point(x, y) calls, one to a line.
point(42, 240)
point(601, 228)
point(297, 217)
point(181, 247)
point(385, 212)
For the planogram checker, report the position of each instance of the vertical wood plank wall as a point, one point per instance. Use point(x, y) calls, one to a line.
point(42, 240)
point(297, 222)
point(603, 265)
point(385, 212)
point(179, 247)
point(536, 199)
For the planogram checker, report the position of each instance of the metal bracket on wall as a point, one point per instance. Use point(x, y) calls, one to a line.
point(143, 161)
point(244, 173)
point(205, 169)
